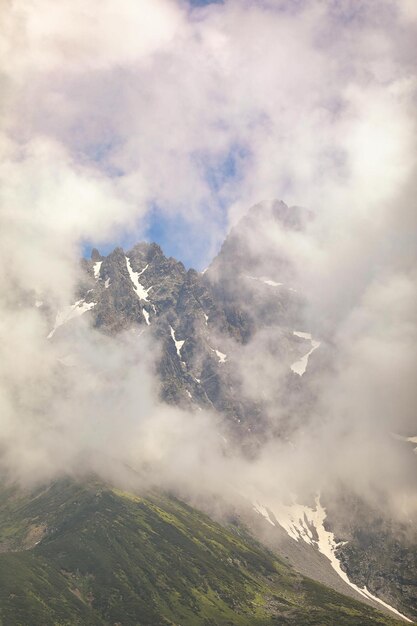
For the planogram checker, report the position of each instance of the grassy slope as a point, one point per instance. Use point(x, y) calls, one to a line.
point(108, 557)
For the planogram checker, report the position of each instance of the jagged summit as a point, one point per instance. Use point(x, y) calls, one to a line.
point(249, 247)
point(199, 320)
point(290, 217)
point(95, 255)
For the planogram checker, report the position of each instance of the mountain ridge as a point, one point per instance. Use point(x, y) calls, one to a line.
point(107, 556)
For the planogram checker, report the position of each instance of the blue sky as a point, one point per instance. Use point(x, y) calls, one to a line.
point(203, 2)
point(188, 240)
point(223, 108)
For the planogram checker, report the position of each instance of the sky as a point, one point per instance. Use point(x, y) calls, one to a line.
point(204, 110)
point(164, 120)
point(204, 2)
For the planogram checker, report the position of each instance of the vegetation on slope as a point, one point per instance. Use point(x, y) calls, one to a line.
point(87, 554)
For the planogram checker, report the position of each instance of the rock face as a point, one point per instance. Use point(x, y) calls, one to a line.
point(377, 552)
point(206, 324)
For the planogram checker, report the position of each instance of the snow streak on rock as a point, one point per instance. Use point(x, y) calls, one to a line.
point(96, 269)
point(303, 523)
point(300, 366)
point(298, 333)
point(263, 511)
point(271, 283)
point(144, 270)
point(146, 316)
point(266, 281)
point(77, 309)
point(371, 596)
point(412, 440)
point(178, 344)
point(221, 356)
point(140, 290)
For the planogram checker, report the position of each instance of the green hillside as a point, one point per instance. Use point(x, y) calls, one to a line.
point(84, 554)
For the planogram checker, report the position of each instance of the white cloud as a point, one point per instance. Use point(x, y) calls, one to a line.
point(80, 37)
point(317, 96)
point(111, 106)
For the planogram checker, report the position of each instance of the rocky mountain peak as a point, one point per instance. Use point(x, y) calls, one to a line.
point(290, 217)
point(248, 248)
point(95, 255)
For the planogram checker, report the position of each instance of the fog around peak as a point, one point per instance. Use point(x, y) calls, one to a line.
point(205, 112)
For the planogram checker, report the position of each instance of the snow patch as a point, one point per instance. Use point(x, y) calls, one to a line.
point(263, 511)
point(266, 281)
point(144, 270)
point(407, 440)
point(38, 303)
point(220, 355)
point(96, 269)
point(75, 310)
point(307, 524)
point(107, 283)
point(387, 606)
point(139, 289)
point(300, 366)
point(412, 440)
point(146, 316)
point(188, 394)
point(298, 333)
point(178, 344)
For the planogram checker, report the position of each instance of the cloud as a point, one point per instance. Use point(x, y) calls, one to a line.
point(77, 38)
point(317, 96)
point(111, 109)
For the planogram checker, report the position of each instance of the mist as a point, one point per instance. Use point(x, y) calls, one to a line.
point(204, 112)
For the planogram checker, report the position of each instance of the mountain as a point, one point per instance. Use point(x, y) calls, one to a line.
point(201, 319)
point(78, 554)
point(206, 324)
